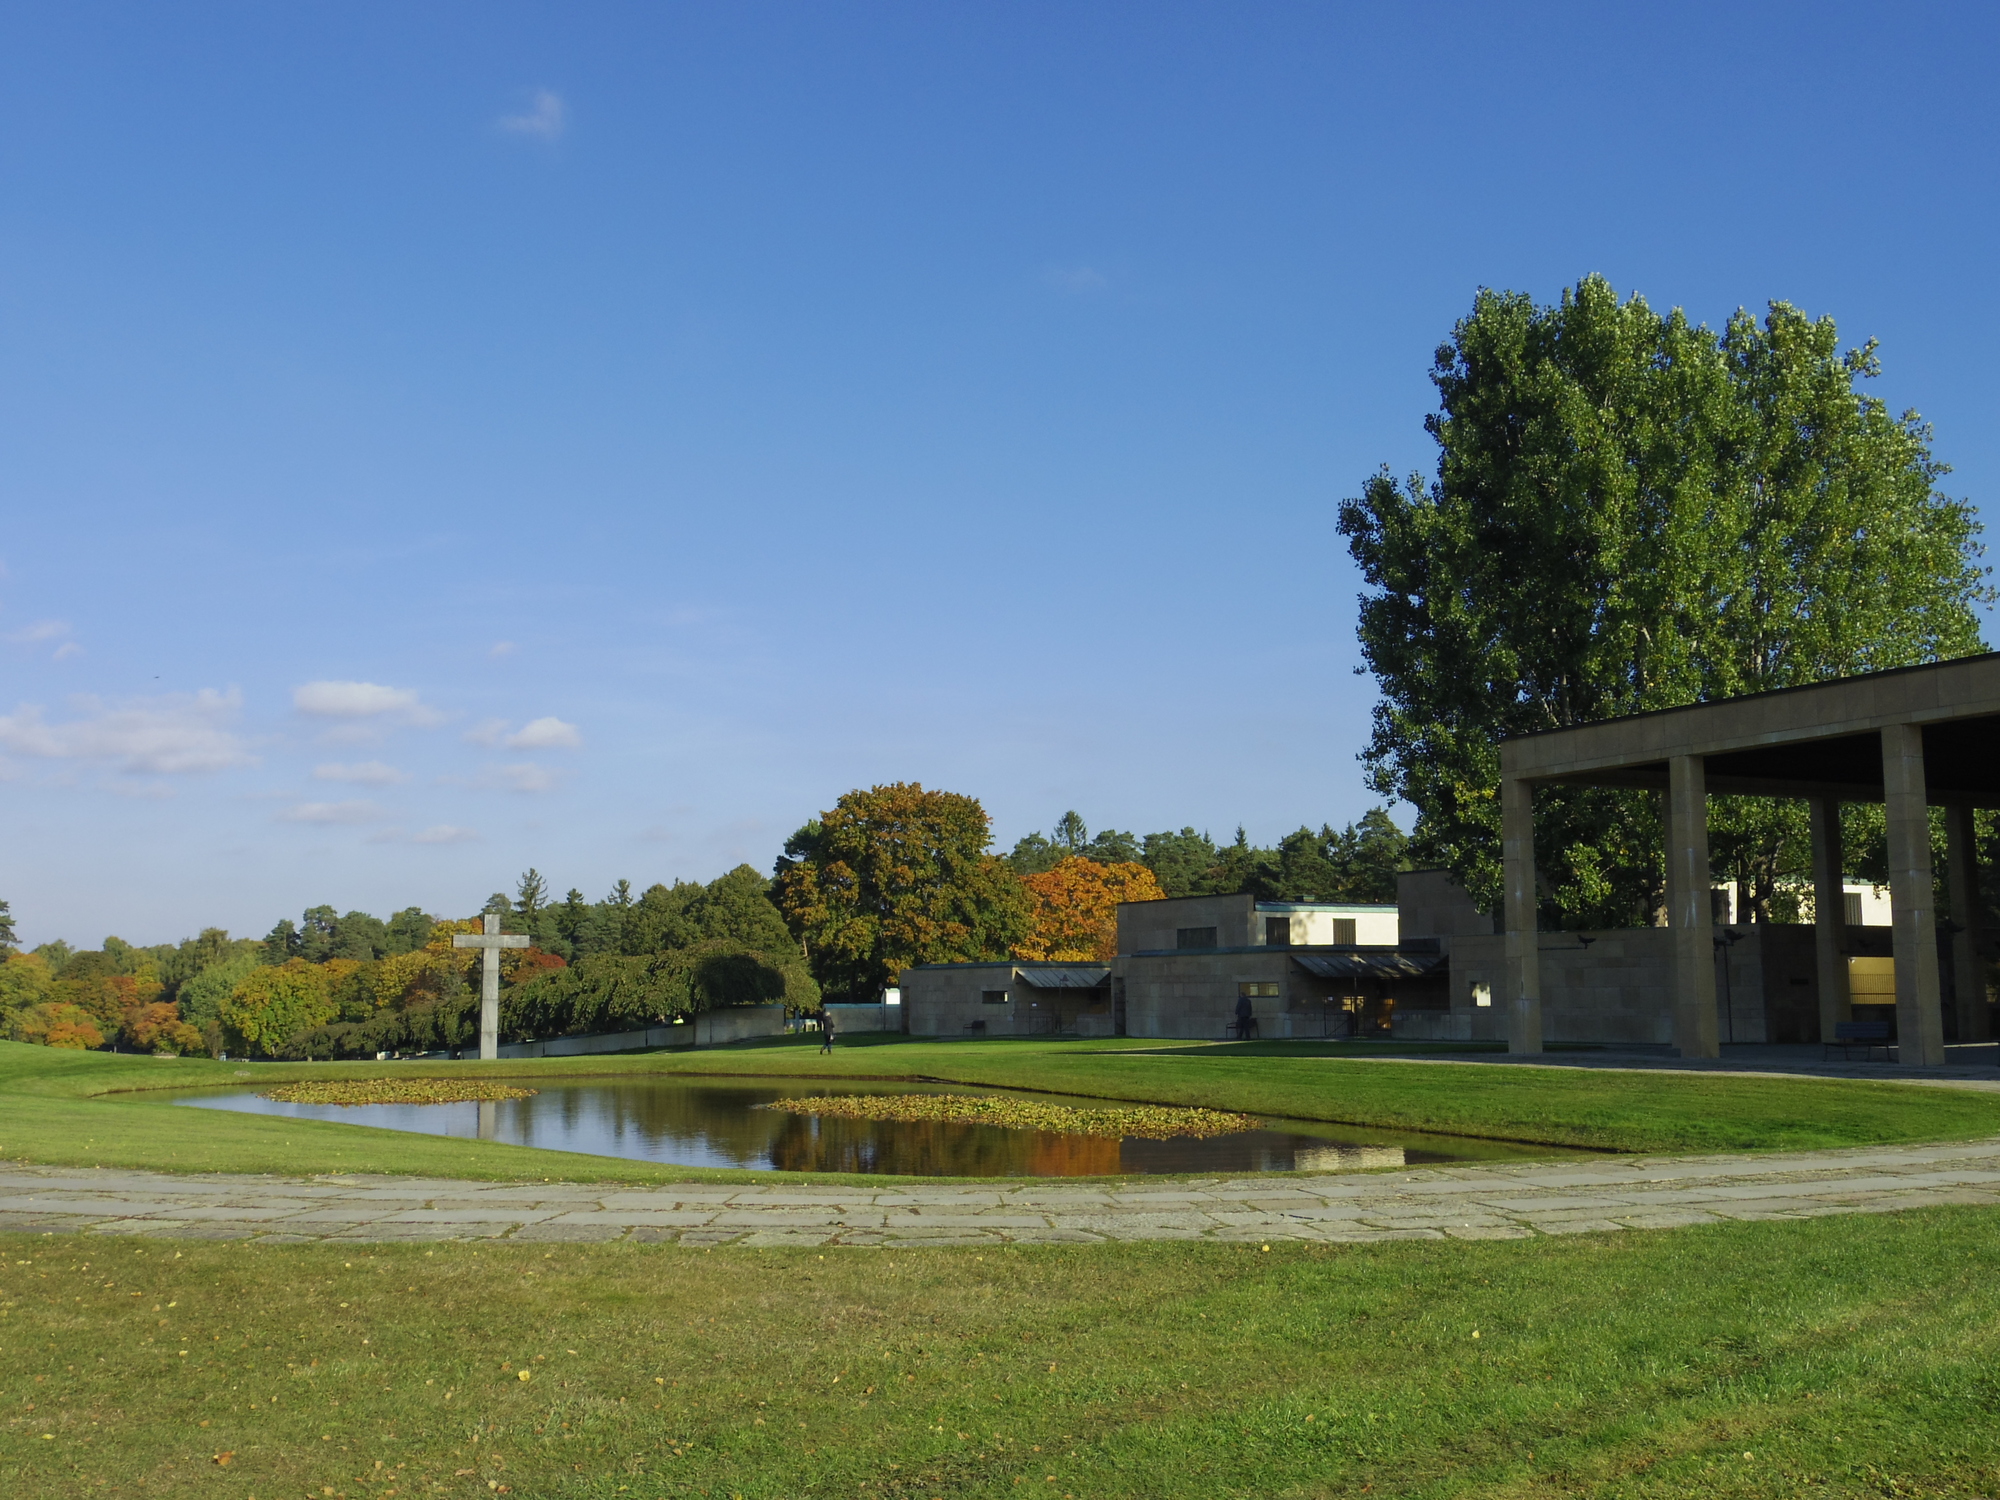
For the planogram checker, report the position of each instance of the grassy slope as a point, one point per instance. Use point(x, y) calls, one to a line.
point(93, 1109)
point(1831, 1357)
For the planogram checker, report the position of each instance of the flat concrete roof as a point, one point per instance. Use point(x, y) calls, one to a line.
point(1822, 739)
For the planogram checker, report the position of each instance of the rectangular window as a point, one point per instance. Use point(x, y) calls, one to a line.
point(992, 997)
point(1194, 937)
point(1343, 932)
point(1482, 993)
point(1277, 932)
point(1261, 990)
point(1851, 902)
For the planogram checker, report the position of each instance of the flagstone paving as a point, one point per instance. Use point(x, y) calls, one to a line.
point(1515, 1200)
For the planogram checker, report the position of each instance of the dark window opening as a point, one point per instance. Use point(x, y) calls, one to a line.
point(992, 997)
point(1278, 932)
point(1851, 903)
point(1194, 937)
point(1343, 932)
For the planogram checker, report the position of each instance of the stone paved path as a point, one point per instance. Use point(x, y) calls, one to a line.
point(1495, 1201)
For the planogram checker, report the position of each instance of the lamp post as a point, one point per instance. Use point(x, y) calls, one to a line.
point(1729, 939)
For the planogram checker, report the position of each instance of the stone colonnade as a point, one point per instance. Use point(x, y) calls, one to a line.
point(1919, 1013)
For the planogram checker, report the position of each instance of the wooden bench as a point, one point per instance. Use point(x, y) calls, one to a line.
point(1867, 1035)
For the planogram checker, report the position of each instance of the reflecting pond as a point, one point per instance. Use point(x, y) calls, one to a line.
point(714, 1123)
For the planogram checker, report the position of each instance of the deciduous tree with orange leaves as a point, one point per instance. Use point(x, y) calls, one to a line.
point(1075, 908)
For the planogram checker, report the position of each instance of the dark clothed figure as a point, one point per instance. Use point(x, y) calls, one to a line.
point(825, 1032)
point(1246, 1021)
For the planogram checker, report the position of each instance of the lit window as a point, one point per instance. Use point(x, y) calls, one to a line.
point(1261, 990)
point(1482, 993)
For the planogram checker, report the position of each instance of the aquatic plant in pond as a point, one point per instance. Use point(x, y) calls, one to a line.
point(396, 1091)
point(1130, 1121)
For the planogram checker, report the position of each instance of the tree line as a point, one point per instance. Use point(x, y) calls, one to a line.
point(334, 984)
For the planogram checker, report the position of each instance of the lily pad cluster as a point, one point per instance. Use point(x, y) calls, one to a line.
point(1149, 1121)
point(396, 1091)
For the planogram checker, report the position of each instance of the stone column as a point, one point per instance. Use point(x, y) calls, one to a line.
point(1829, 917)
point(1919, 1016)
point(1968, 915)
point(1524, 959)
point(1690, 908)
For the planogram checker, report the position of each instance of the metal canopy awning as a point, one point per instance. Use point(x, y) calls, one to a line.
point(1367, 965)
point(1064, 979)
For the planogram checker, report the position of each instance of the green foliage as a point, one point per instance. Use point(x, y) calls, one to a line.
point(272, 1003)
point(55, 954)
point(1632, 513)
point(896, 876)
point(618, 992)
point(9, 938)
point(1357, 863)
point(408, 930)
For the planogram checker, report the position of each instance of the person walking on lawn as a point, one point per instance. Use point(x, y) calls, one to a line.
point(825, 1030)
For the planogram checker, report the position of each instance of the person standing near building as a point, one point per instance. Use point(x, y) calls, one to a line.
point(825, 1029)
point(1246, 1019)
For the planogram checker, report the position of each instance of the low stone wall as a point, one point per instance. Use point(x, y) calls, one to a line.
point(865, 1018)
point(708, 1029)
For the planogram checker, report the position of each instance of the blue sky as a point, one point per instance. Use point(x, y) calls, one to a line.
point(437, 439)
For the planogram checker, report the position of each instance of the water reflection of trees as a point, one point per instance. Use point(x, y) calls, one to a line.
point(702, 1124)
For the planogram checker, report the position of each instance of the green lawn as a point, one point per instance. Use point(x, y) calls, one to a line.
point(75, 1108)
point(1831, 1357)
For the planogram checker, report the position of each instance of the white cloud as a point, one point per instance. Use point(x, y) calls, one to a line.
point(332, 812)
point(40, 631)
point(168, 735)
point(444, 833)
point(364, 700)
point(1075, 279)
point(502, 648)
point(362, 773)
point(66, 650)
point(486, 732)
point(549, 733)
point(544, 118)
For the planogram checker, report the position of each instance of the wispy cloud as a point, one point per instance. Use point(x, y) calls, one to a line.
point(1076, 279)
point(545, 734)
point(502, 648)
point(66, 650)
point(543, 119)
point(444, 833)
point(486, 732)
point(332, 812)
point(524, 776)
point(40, 631)
point(170, 735)
point(362, 773)
point(363, 700)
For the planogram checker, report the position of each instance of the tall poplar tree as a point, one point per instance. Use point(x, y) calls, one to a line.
point(1631, 512)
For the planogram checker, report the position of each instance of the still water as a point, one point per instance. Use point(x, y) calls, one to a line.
point(700, 1123)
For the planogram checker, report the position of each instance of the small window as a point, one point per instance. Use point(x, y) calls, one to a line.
point(1194, 937)
point(992, 997)
point(1343, 932)
point(1277, 932)
point(1260, 990)
point(1851, 908)
point(1482, 993)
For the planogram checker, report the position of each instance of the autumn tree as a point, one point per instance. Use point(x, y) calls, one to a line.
point(272, 1003)
point(1631, 512)
point(894, 876)
point(1074, 908)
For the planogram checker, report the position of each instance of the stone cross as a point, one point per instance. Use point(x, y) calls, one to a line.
point(492, 940)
